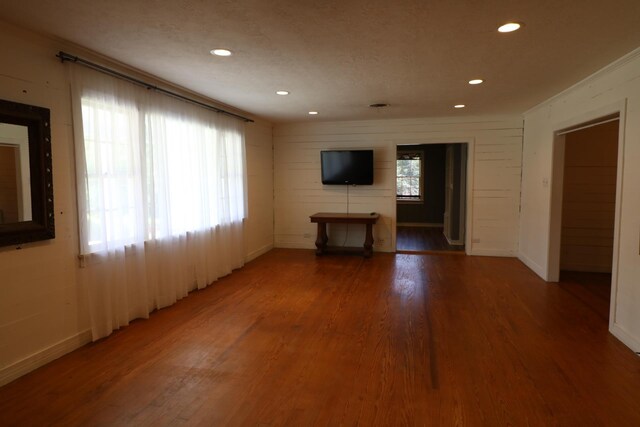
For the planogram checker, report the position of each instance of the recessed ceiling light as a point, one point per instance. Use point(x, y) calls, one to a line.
point(282, 92)
point(475, 81)
point(459, 106)
point(509, 27)
point(221, 52)
point(313, 113)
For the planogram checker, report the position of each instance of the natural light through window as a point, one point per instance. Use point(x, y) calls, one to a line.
point(154, 174)
point(409, 176)
point(112, 169)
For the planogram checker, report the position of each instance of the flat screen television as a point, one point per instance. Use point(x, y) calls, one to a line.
point(347, 167)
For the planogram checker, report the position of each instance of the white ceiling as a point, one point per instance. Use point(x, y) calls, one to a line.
point(337, 57)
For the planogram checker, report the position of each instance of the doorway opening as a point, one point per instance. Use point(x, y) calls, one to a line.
point(585, 203)
point(431, 193)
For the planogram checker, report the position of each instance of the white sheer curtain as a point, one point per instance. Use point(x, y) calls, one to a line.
point(161, 197)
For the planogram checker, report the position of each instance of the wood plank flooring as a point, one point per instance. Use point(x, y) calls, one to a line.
point(293, 339)
point(593, 289)
point(423, 239)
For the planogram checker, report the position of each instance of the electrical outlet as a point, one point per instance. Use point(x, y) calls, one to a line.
point(306, 235)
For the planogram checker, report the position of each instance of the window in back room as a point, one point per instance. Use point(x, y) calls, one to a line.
point(409, 172)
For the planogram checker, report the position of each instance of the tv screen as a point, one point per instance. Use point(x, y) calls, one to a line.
point(342, 167)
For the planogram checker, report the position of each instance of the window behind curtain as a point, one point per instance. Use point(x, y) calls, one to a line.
point(151, 173)
point(409, 171)
point(113, 174)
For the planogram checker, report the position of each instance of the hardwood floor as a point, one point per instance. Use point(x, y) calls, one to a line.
point(423, 239)
point(593, 289)
point(298, 340)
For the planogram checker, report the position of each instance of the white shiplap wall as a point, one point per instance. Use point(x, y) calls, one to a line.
point(614, 89)
point(495, 155)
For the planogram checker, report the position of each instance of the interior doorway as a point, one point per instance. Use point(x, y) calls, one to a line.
point(585, 191)
point(431, 198)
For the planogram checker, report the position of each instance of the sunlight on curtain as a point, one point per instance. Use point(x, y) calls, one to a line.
point(161, 197)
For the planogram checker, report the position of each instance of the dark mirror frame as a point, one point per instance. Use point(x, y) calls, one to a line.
point(41, 226)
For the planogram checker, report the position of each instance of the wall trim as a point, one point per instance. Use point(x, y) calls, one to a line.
point(533, 266)
point(291, 129)
point(586, 81)
point(627, 339)
point(44, 356)
point(492, 252)
point(294, 245)
point(255, 254)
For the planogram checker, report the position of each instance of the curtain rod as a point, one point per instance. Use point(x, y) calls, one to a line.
point(588, 126)
point(68, 57)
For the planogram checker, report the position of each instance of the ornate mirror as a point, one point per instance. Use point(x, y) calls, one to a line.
point(26, 180)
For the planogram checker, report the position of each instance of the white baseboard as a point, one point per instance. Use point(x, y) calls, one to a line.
point(627, 339)
point(292, 245)
point(43, 357)
point(255, 254)
point(492, 252)
point(419, 224)
point(532, 266)
point(295, 245)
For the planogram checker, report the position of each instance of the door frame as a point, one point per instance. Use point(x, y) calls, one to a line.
point(555, 201)
point(468, 249)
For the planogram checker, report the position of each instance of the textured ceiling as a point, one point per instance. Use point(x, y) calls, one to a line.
point(337, 57)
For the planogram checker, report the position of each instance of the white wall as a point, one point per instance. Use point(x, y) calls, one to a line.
point(617, 87)
point(495, 153)
point(43, 311)
point(259, 224)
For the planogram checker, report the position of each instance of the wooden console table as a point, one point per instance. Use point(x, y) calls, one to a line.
point(323, 218)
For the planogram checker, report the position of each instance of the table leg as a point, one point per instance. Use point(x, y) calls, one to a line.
point(322, 238)
point(368, 241)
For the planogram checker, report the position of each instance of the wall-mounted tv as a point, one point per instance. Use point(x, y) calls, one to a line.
point(347, 167)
